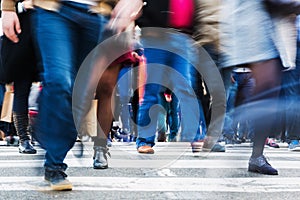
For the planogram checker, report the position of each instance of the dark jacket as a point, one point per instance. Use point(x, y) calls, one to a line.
point(19, 60)
point(157, 14)
point(285, 7)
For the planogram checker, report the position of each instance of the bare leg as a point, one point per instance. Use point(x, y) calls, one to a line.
point(267, 76)
point(105, 97)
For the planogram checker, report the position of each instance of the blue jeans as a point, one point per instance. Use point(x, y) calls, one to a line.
point(124, 87)
point(291, 100)
point(238, 94)
point(64, 39)
point(2, 91)
point(176, 73)
point(169, 116)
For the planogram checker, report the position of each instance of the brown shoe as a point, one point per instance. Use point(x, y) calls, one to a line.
point(145, 149)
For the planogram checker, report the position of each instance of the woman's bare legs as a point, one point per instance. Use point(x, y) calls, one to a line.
point(267, 75)
point(105, 97)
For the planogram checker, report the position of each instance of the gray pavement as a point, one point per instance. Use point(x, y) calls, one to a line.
point(173, 172)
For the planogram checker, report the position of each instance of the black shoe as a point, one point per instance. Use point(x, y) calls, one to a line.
point(260, 165)
point(57, 179)
point(229, 142)
point(26, 147)
point(100, 157)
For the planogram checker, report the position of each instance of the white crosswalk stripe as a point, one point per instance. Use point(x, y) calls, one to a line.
point(173, 168)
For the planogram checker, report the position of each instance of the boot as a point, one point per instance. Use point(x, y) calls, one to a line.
point(22, 128)
point(100, 157)
point(161, 137)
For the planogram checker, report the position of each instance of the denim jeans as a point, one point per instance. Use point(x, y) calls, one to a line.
point(64, 39)
point(169, 116)
point(291, 100)
point(2, 91)
point(124, 87)
point(175, 72)
point(238, 94)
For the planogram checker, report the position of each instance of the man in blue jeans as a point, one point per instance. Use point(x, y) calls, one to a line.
point(65, 32)
point(179, 77)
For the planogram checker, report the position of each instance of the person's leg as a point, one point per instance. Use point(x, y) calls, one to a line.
point(267, 77)
point(57, 34)
point(55, 129)
point(147, 119)
point(162, 119)
point(231, 92)
point(246, 84)
point(174, 118)
point(125, 84)
point(105, 97)
point(20, 114)
point(291, 103)
point(147, 110)
point(2, 91)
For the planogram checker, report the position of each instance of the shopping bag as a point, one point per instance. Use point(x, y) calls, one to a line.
point(88, 126)
point(6, 112)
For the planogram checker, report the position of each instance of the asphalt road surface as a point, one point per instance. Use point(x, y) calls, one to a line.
point(173, 172)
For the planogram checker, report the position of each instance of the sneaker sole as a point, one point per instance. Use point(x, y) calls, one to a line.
point(270, 147)
point(146, 152)
point(26, 152)
point(65, 187)
point(295, 149)
point(61, 187)
point(104, 167)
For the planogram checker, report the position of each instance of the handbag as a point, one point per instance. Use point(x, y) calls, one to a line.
point(7, 106)
point(88, 127)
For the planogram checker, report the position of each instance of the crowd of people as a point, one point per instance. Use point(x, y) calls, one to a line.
point(78, 51)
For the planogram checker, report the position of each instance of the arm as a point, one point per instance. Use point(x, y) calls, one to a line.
point(124, 13)
point(10, 21)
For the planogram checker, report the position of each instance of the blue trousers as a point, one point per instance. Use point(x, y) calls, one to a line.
point(64, 39)
point(174, 71)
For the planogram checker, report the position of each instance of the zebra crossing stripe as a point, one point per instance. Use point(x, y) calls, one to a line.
point(132, 163)
point(241, 185)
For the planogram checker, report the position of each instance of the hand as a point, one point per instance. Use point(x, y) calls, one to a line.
point(119, 25)
point(11, 25)
point(124, 13)
point(27, 4)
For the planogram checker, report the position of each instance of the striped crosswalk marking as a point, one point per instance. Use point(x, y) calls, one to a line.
point(173, 168)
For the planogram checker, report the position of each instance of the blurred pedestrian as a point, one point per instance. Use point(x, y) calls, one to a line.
point(177, 16)
point(65, 32)
point(248, 39)
point(20, 66)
